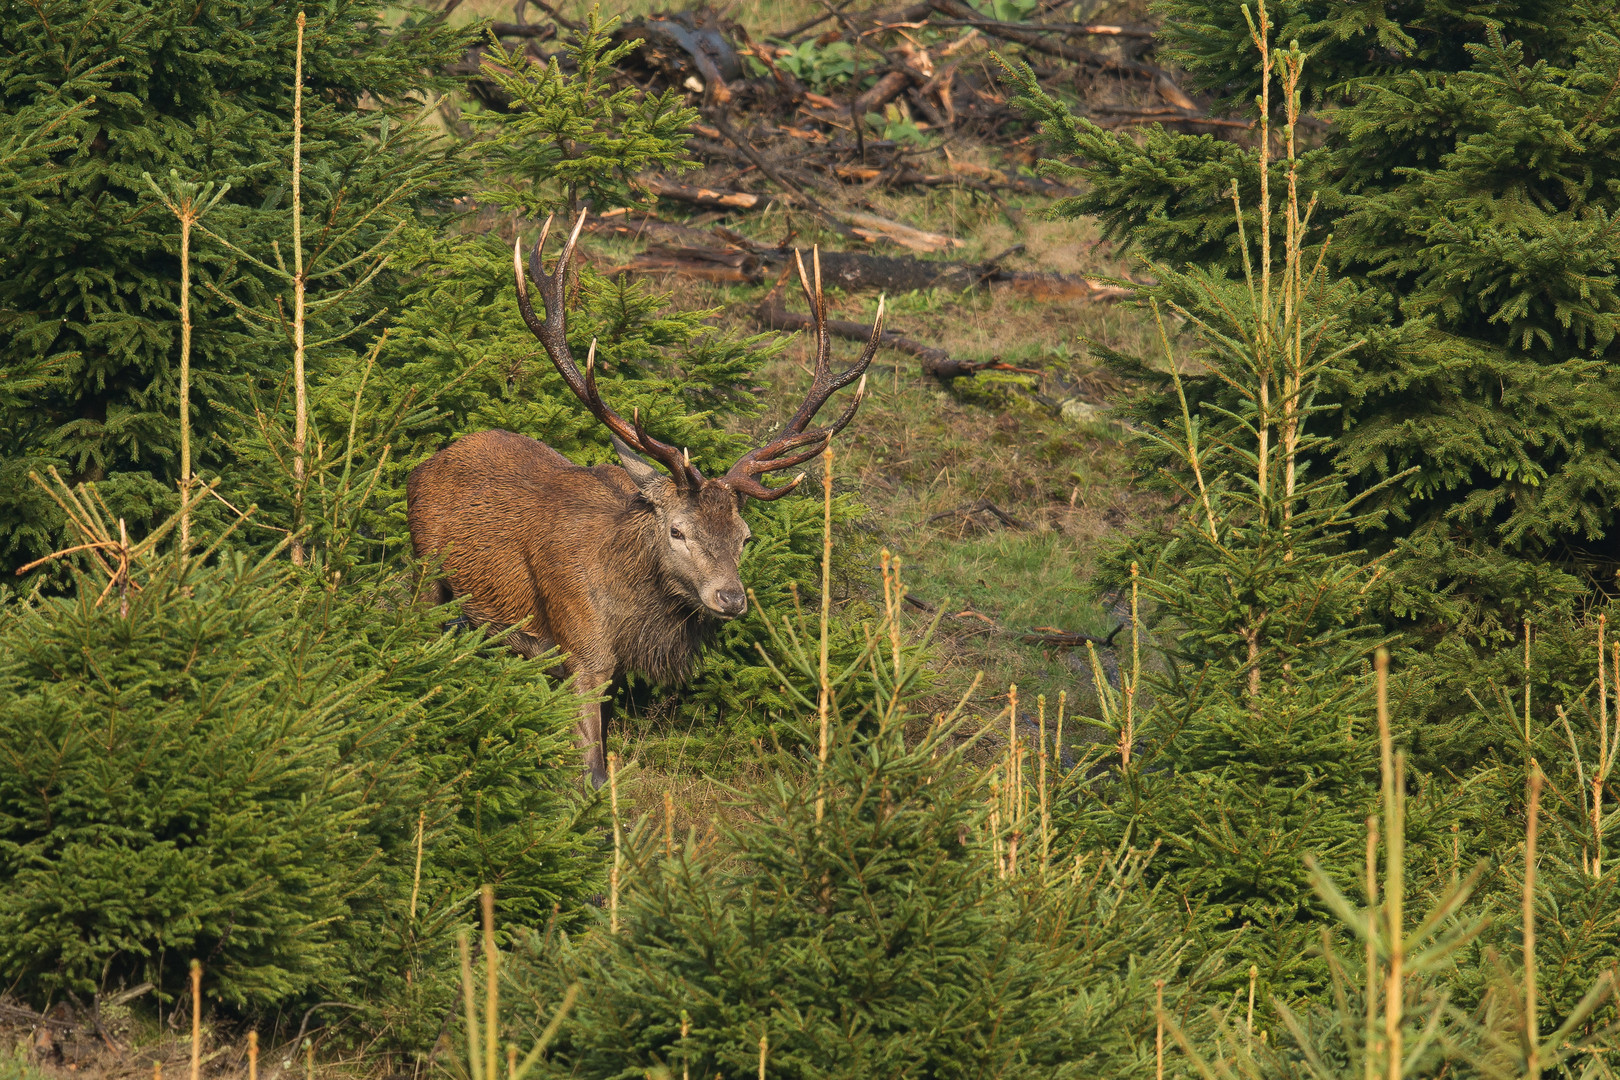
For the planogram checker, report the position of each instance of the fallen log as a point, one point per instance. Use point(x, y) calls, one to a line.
point(1035, 40)
point(728, 266)
point(680, 249)
point(1065, 639)
point(702, 196)
point(771, 315)
point(872, 228)
point(1142, 33)
point(885, 90)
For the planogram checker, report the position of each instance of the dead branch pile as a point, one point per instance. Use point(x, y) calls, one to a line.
point(868, 99)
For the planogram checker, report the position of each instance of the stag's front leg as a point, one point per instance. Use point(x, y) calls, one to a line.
point(589, 733)
point(588, 730)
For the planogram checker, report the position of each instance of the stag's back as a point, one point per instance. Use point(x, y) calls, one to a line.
point(519, 526)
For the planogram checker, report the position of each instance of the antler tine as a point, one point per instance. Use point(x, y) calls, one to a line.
point(797, 445)
point(553, 335)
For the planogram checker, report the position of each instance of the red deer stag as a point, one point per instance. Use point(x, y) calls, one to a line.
point(622, 569)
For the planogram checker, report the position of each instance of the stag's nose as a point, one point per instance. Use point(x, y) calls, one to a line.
point(729, 603)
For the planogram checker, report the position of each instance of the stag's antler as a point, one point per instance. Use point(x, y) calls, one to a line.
point(552, 332)
point(796, 445)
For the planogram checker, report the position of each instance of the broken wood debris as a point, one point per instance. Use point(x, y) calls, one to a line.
point(920, 73)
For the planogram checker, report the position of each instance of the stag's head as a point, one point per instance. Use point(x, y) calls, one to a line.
point(698, 527)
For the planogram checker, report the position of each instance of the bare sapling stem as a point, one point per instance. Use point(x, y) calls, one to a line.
point(1606, 750)
point(1099, 683)
point(186, 221)
point(1393, 768)
point(894, 623)
point(416, 878)
point(618, 856)
point(492, 993)
point(188, 203)
point(1263, 345)
point(1254, 977)
point(824, 700)
point(1373, 977)
point(1527, 749)
point(1181, 395)
point(1015, 782)
point(1158, 1038)
point(300, 390)
point(1293, 296)
point(1015, 777)
point(1127, 732)
point(196, 1019)
point(469, 1008)
point(995, 828)
point(1046, 815)
point(1532, 1037)
point(1057, 739)
point(669, 825)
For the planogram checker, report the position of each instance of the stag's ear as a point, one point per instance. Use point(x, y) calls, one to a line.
point(642, 471)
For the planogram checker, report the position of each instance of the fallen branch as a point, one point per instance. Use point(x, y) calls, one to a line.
point(703, 196)
point(746, 148)
point(1142, 33)
point(1038, 42)
point(1065, 639)
point(681, 250)
point(773, 316)
point(871, 228)
point(983, 506)
point(936, 362)
point(728, 266)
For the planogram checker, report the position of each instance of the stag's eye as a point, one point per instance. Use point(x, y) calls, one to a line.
point(676, 534)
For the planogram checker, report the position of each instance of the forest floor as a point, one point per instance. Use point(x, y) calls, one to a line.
point(996, 503)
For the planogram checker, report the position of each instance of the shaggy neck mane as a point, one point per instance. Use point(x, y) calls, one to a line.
point(661, 630)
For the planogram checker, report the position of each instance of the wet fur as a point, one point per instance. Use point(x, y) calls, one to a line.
point(569, 555)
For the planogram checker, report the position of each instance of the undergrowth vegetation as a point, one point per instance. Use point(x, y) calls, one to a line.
point(1332, 793)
